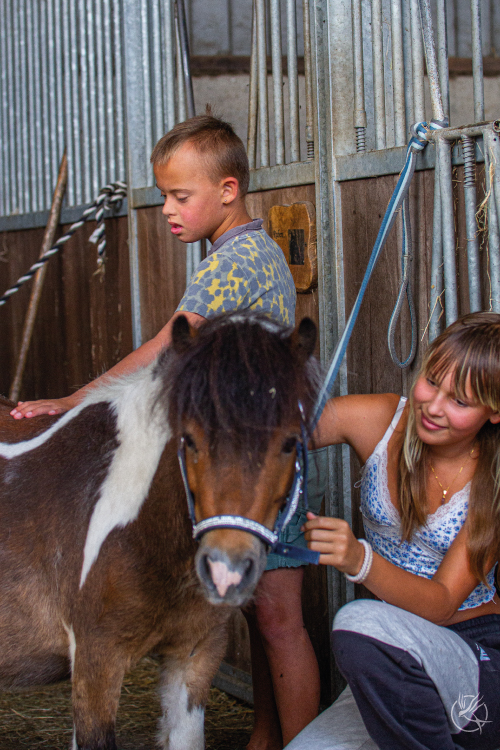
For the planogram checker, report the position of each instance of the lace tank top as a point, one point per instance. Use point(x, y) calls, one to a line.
point(429, 543)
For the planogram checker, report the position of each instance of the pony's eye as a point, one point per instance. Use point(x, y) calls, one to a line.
point(289, 444)
point(189, 442)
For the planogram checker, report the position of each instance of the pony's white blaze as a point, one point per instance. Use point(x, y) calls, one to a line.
point(223, 577)
point(71, 645)
point(181, 728)
point(133, 465)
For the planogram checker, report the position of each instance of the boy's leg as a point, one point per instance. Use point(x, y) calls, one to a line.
point(290, 655)
point(418, 686)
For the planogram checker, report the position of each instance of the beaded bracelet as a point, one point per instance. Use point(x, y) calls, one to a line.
point(366, 566)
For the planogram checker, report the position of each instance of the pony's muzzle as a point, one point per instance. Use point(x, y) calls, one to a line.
point(229, 571)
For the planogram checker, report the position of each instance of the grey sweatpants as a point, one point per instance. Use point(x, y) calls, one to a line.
point(417, 685)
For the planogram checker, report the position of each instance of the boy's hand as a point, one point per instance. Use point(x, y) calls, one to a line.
point(334, 540)
point(44, 406)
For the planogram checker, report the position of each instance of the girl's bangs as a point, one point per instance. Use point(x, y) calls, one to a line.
point(478, 373)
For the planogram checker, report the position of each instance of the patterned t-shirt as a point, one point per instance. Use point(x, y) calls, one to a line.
point(245, 270)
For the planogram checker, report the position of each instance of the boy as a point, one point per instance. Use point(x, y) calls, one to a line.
point(202, 171)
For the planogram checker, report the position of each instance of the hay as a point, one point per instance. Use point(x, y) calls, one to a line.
point(42, 718)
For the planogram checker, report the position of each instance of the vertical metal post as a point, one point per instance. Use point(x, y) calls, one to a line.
point(398, 76)
point(119, 111)
point(477, 60)
point(442, 55)
point(169, 57)
point(436, 300)
point(262, 85)
point(88, 143)
point(493, 219)
point(76, 167)
point(408, 66)
point(5, 187)
point(308, 80)
point(39, 200)
point(293, 82)
point(137, 154)
point(157, 71)
point(100, 90)
point(277, 66)
point(359, 77)
point(431, 60)
point(181, 89)
point(469, 151)
point(110, 105)
point(253, 94)
point(417, 48)
point(443, 154)
point(378, 74)
point(184, 46)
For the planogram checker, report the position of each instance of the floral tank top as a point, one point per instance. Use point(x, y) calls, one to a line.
point(424, 553)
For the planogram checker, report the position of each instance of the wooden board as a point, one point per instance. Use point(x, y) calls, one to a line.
point(293, 228)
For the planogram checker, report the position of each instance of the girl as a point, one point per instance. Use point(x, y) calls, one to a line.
point(423, 664)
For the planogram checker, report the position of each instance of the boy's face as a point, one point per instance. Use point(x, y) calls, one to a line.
point(194, 204)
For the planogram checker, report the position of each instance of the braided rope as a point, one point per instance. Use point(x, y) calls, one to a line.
point(109, 195)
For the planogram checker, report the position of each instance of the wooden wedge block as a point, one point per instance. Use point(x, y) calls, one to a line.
point(293, 228)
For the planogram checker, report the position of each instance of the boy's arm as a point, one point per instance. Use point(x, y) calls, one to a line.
point(138, 358)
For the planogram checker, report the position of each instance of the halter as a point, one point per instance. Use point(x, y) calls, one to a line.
point(298, 488)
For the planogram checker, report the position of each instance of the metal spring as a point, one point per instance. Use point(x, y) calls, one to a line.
point(360, 139)
point(469, 151)
point(310, 150)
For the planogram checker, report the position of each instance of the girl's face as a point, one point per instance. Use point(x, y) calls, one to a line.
point(444, 419)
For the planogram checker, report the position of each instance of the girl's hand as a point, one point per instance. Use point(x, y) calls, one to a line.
point(334, 540)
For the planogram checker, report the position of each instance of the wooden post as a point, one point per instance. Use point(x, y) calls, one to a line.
point(48, 241)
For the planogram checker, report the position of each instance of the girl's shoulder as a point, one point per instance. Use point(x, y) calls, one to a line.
point(360, 420)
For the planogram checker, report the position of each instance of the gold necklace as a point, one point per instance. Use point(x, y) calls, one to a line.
point(445, 491)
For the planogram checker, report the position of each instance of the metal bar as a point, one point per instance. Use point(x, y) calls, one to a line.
point(473, 266)
point(398, 77)
point(22, 125)
point(30, 146)
point(181, 89)
point(277, 65)
point(93, 136)
point(119, 81)
point(293, 81)
point(436, 290)
point(5, 30)
point(431, 60)
point(308, 80)
point(442, 55)
point(408, 66)
point(443, 155)
point(48, 241)
point(109, 95)
point(253, 95)
point(378, 74)
point(184, 48)
point(359, 77)
point(169, 58)
point(38, 201)
point(417, 48)
point(493, 221)
point(75, 108)
point(88, 143)
point(47, 113)
point(59, 79)
point(477, 60)
point(101, 102)
point(262, 83)
point(156, 70)
point(146, 73)
point(495, 148)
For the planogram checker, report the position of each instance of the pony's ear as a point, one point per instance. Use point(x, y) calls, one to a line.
point(303, 339)
point(182, 335)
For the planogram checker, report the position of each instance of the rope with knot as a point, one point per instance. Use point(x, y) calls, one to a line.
point(110, 197)
point(417, 144)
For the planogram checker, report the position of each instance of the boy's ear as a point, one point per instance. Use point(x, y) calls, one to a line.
point(230, 189)
point(495, 417)
point(303, 339)
point(182, 334)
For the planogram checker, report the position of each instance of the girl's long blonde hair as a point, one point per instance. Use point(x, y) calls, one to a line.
point(470, 348)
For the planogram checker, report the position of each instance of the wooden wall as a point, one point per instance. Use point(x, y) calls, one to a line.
point(83, 325)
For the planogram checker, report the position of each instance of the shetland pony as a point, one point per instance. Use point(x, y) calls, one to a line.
point(97, 557)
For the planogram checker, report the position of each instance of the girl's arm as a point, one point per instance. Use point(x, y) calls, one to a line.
point(358, 420)
point(436, 599)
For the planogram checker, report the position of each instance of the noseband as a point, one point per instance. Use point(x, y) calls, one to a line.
point(298, 488)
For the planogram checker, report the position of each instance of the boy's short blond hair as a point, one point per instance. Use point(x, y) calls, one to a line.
point(215, 140)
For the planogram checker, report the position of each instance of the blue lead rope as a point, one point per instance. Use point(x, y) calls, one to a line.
point(417, 143)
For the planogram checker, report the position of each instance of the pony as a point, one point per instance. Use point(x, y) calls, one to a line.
point(98, 564)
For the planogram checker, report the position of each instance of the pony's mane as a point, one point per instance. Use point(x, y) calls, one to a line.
point(239, 379)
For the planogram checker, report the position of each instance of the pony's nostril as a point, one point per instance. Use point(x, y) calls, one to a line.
point(248, 571)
